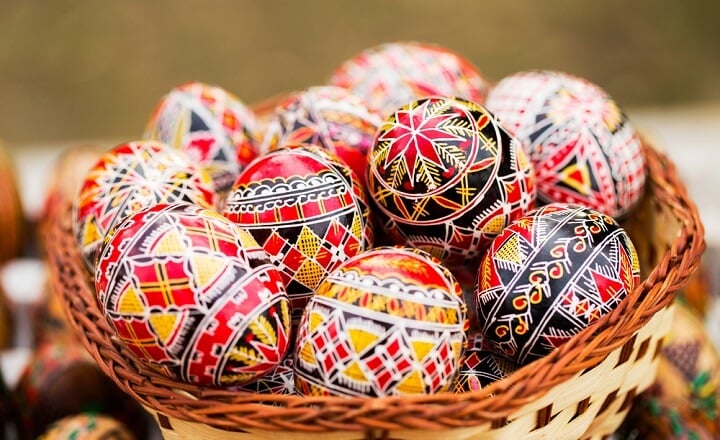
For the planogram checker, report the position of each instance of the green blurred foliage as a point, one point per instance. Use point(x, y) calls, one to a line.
point(83, 69)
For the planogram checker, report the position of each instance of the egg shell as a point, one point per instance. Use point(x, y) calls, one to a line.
point(308, 211)
point(393, 74)
point(128, 178)
point(281, 380)
point(12, 220)
point(390, 321)
point(211, 125)
point(194, 296)
point(447, 178)
point(87, 426)
point(549, 275)
point(327, 116)
point(583, 147)
point(61, 379)
point(684, 401)
point(481, 365)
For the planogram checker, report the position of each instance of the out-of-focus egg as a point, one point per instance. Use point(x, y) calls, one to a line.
point(61, 380)
point(49, 320)
point(87, 426)
point(481, 365)
point(193, 295)
point(280, 380)
point(447, 178)
point(582, 145)
point(549, 275)
point(11, 210)
point(308, 211)
point(390, 321)
point(684, 401)
point(7, 321)
point(130, 177)
point(66, 177)
point(211, 125)
point(390, 75)
point(330, 117)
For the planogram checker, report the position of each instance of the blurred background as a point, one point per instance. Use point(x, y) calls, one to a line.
point(80, 69)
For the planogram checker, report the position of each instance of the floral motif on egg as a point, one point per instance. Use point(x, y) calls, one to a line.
point(391, 75)
point(327, 116)
point(583, 147)
point(549, 275)
point(308, 211)
point(447, 178)
point(211, 125)
point(390, 321)
point(130, 177)
point(280, 380)
point(194, 296)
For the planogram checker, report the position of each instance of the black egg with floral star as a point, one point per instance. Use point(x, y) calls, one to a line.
point(445, 177)
point(549, 275)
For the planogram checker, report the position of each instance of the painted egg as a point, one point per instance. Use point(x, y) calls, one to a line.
point(60, 380)
point(447, 178)
point(550, 274)
point(330, 117)
point(211, 125)
point(481, 365)
point(582, 145)
point(67, 175)
point(281, 380)
point(390, 75)
point(87, 426)
point(11, 210)
point(390, 321)
point(684, 401)
point(130, 177)
point(307, 210)
point(194, 296)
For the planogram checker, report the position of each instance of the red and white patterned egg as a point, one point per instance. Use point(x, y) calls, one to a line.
point(390, 75)
point(193, 295)
point(307, 210)
point(447, 178)
point(127, 178)
point(549, 275)
point(211, 125)
point(327, 116)
point(390, 321)
point(583, 147)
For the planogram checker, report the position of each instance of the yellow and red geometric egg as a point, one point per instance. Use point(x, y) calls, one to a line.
point(193, 296)
point(308, 211)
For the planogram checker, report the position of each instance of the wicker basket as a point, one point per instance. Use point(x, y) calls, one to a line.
point(581, 390)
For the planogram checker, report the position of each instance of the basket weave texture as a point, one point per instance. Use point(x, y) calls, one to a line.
point(581, 390)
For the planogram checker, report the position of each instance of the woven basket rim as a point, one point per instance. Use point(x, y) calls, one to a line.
point(233, 410)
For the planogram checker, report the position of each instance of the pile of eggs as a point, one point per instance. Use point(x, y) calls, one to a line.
point(327, 252)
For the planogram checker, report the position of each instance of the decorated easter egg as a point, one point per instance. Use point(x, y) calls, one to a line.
point(211, 125)
point(307, 210)
point(330, 117)
point(281, 380)
point(447, 178)
point(193, 295)
point(390, 321)
point(130, 177)
point(481, 365)
point(11, 210)
point(684, 401)
point(582, 145)
point(549, 275)
point(66, 177)
point(60, 380)
point(87, 426)
point(390, 75)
